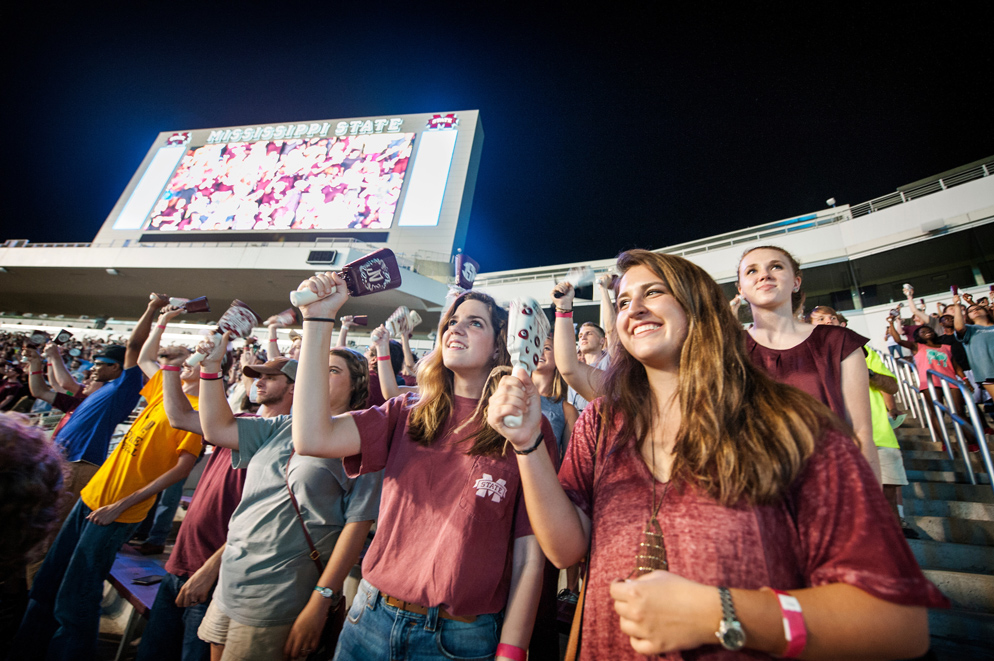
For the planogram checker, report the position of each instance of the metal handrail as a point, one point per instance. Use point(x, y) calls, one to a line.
point(907, 381)
point(961, 422)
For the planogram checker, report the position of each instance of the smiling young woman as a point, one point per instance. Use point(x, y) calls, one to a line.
point(454, 563)
point(824, 361)
point(707, 484)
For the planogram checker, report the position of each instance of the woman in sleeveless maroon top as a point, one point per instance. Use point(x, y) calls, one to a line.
point(823, 361)
point(697, 483)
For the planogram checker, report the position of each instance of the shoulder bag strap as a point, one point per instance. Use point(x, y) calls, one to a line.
point(315, 555)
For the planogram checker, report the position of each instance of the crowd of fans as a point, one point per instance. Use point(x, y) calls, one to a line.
point(710, 487)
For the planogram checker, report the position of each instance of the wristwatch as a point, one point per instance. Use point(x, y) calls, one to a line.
point(730, 633)
point(328, 593)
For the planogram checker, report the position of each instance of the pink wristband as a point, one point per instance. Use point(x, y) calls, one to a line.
point(160, 326)
point(566, 315)
point(171, 368)
point(209, 375)
point(793, 624)
point(511, 652)
point(36, 373)
point(383, 358)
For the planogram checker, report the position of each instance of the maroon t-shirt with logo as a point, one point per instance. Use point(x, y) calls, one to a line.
point(448, 521)
point(205, 527)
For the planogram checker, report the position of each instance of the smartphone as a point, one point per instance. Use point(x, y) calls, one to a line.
point(151, 579)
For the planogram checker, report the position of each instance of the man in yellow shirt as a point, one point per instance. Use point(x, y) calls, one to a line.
point(63, 615)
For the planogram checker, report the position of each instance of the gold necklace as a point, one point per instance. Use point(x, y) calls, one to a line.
point(651, 554)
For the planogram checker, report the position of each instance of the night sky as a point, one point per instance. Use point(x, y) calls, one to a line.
point(605, 129)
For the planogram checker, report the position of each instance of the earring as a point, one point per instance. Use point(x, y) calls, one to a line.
point(797, 289)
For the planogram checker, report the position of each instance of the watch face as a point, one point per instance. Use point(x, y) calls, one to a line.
point(325, 592)
point(733, 638)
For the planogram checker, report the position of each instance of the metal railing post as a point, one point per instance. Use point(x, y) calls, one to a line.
point(960, 422)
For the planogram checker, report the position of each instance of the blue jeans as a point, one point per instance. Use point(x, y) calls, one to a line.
point(171, 632)
point(374, 630)
point(895, 351)
point(63, 615)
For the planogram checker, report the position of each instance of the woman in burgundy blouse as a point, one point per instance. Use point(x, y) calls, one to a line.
point(823, 361)
point(698, 485)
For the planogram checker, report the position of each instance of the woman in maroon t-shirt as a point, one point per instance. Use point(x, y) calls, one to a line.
point(698, 471)
point(454, 564)
point(823, 361)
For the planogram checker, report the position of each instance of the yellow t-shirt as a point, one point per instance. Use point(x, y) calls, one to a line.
point(150, 448)
point(883, 433)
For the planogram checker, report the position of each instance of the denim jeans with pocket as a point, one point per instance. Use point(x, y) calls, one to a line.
point(171, 632)
point(376, 631)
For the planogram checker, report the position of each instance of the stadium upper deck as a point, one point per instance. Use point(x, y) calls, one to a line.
point(933, 233)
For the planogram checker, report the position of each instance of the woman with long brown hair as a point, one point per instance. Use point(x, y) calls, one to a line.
point(454, 564)
point(705, 486)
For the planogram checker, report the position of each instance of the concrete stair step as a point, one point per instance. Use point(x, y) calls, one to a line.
point(958, 531)
point(907, 445)
point(953, 557)
point(946, 491)
point(970, 592)
point(950, 509)
point(950, 649)
point(962, 626)
point(941, 462)
point(951, 477)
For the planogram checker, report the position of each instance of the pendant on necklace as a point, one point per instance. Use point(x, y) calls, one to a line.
point(652, 550)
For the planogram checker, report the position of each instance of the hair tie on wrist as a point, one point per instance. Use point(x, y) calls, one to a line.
point(329, 320)
point(531, 449)
point(171, 368)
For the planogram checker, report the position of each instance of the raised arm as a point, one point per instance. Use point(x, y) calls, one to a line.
point(36, 382)
point(562, 530)
point(272, 343)
point(343, 333)
point(384, 366)
point(917, 314)
point(62, 379)
point(179, 411)
point(897, 336)
point(315, 431)
point(583, 378)
point(141, 330)
point(409, 364)
point(608, 314)
point(216, 420)
point(856, 399)
point(149, 354)
point(959, 322)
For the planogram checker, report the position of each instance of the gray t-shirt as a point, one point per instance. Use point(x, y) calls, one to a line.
point(979, 344)
point(553, 411)
point(267, 575)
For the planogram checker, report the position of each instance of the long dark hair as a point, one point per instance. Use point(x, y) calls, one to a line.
point(742, 434)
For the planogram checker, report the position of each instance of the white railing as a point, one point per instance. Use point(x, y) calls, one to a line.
point(925, 188)
point(944, 405)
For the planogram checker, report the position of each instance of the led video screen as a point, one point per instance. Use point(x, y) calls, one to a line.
point(335, 183)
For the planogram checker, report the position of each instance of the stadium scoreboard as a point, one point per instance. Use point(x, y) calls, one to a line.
point(402, 181)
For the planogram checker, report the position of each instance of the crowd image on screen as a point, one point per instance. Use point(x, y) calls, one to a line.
point(668, 389)
point(318, 184)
